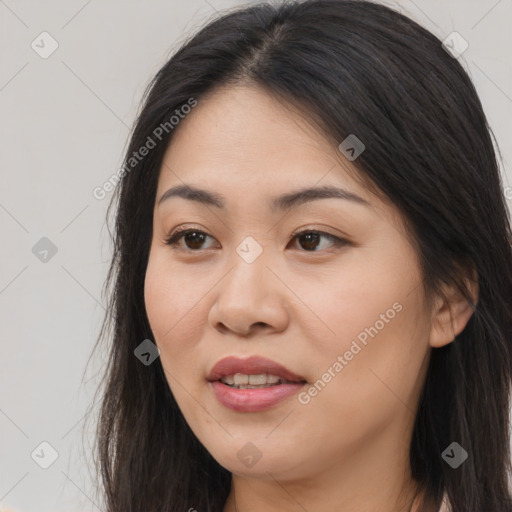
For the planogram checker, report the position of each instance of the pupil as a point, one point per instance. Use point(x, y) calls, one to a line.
point(310, 236)
point(194, 234)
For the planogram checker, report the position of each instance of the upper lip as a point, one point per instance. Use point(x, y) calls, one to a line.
point(253, 365)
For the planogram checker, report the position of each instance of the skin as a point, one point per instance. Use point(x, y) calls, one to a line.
point(347, 449)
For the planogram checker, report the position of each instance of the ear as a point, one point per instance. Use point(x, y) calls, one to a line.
point(451, 311)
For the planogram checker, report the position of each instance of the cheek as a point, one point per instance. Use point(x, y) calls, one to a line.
point(365, 293)
point(159, 300)
point(176, 318)
point(377, 322)
point(374, 385)
point(174, 308)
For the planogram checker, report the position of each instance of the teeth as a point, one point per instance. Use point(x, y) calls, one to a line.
point(248, 381)
point(240, 379)
point(255, 380)
point(228, 380)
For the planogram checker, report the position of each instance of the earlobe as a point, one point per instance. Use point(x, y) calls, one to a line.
point(452, 312)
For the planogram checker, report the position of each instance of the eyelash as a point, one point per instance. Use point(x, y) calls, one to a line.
point(175, 237)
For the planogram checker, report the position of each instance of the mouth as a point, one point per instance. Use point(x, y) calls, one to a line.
point(253, 384)
point(255, 381)
point(255, 371)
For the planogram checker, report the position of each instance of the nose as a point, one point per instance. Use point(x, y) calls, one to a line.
point(250, 299)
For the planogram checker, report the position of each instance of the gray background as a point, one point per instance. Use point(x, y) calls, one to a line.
point(64, 124)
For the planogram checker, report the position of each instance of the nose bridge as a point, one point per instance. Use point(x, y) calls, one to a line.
point(250, 272)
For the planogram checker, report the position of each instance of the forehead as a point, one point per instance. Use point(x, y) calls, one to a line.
point(240, 137)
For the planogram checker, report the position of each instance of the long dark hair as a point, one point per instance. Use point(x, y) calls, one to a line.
point(353, 67)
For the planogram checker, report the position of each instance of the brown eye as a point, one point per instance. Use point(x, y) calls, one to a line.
point(193, 238)
point(309, 240)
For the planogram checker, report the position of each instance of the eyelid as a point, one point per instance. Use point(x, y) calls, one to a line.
point(177, 234)
point(318, 229)
point(180, 232)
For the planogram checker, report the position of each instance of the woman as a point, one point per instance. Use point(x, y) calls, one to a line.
point(312, 276)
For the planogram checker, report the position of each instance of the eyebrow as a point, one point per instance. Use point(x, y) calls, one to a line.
point(280, 203)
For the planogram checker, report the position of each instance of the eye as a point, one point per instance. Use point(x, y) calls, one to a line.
point(310, 239)
point(195, 240)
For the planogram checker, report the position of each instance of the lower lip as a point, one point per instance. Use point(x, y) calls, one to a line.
point(253, 400)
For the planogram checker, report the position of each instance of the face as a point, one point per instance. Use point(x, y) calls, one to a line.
point(340, 305)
